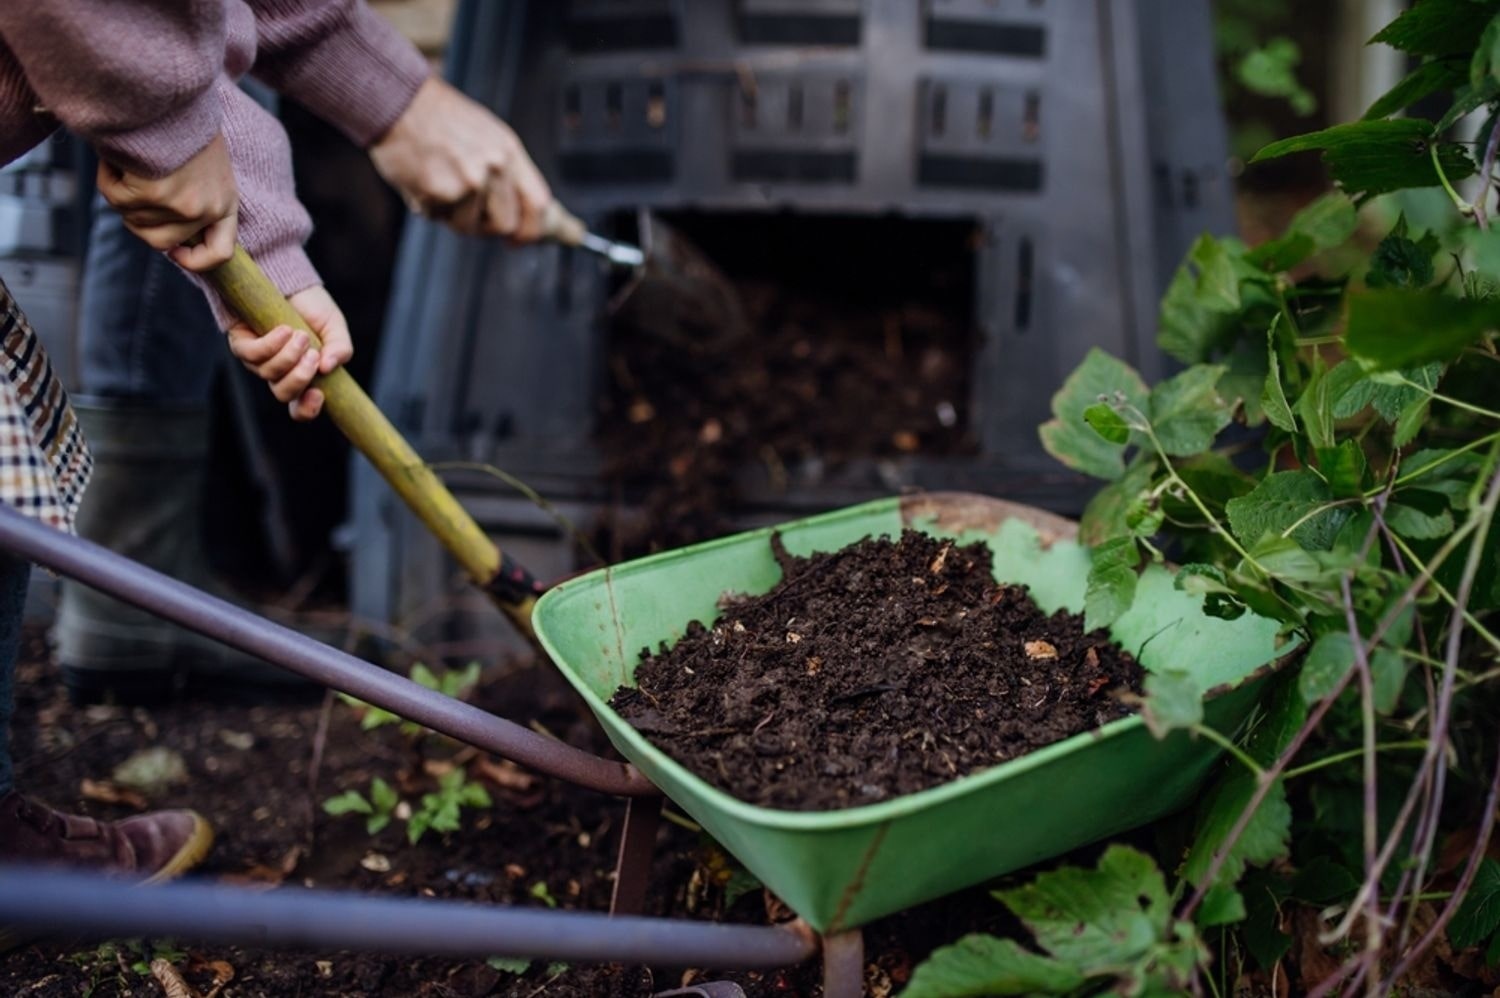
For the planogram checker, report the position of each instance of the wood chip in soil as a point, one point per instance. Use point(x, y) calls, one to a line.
point(878, 670)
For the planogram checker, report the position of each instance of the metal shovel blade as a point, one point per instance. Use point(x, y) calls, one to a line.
point(679, 294)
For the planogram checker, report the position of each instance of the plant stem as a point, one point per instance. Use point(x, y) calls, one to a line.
point(1338, 757)
point(1464, 207)
point(1450, 400)
point(1228, 745)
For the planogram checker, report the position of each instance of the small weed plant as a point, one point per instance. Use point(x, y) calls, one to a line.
point(1328, 457)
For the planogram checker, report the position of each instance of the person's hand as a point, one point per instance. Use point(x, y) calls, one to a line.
point(198, 203)
point(455, 161)
point(286, 359)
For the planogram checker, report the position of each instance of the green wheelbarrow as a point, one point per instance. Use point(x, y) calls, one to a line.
point(836, 870)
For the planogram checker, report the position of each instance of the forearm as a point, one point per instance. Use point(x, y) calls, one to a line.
point(341, 60)
point(133, 77)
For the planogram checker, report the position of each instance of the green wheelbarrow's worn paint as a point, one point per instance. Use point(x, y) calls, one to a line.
point(840, 869)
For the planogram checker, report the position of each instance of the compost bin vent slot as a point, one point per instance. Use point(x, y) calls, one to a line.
point(614, 129)
point(993, 27)
point(978, 133)
point(792, 127)
point(620, 25)
point(1025, 272)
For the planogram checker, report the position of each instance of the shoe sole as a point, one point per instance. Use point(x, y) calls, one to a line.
point(193, 852)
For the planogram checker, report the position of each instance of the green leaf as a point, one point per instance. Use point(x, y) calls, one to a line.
point(1343, 468)
point(348, 802)
point(423, 676)
point(540, 891)
point(1222, 905)
point(1107, 423)
point(1437, 27)
point(1485, 65)
point(1479, 914)
point(1266, 837)
point(475, 795)
point(383, 795)
point(1391, 328)
point(1316, 404)
point(508, 964)
point(1068, 438)
point(1436, 76)
point(1187, 412)
point(1283, 499)
point(1410, 422)
point(1286, 559)
point(1328, 661)
point(1104, 518)
point(1387, 679)
point(1419, 515)
point(1096, 919)
point(1400, 262)
point(1198, 309)
point(417, 826)
point(1270, 71)
point(1376, 157)
point(1173, 701)
point(376, 823)
point(1273, 399)
point(979, 965)
point(1323, 881)
point(1492, 952)
point(1111, 583)
point(1199, 579)
point(1262, 930)
point(1470, 99)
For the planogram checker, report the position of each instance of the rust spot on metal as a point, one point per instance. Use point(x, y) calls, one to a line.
point(958, 512)
point(858, 883)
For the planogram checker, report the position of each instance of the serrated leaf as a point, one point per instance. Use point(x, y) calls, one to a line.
point(1402, 262)
point(1104, 517)
point(1479, 914)
point(1173, 701)
point(1324, 224)
point(1196, 312)
point(1343, 468)
point(1187, 411)
point(979, 965)
point(1433, 77)
point(1376, 157)
point(1283, 499)
point(1437, 27)
point(1410, 422)
point(1111, 583)
point(1273, 399)
point(1328, 660)
point(1198, 579)
point(1068, 438)
point(1265, 838)
point(1390, 328)
point(1419, 515)
point(1485, 64)
point(1323, 882)
point(348, 802)
point(1222, 905)
point(1096, 919)
point(1286, 559)
point(1107, 423)
point(1470, 99)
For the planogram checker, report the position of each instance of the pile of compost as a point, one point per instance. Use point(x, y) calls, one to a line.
point(878, 670)
point(856, 353)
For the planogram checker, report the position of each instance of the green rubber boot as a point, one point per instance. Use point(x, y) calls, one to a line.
point(145, 501)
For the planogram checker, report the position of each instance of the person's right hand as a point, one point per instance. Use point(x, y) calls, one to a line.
point(286, 359)
point(196, 203)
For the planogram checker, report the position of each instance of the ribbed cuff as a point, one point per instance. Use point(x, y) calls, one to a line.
point(288, 268)
point(164, 145)
point(360, 79)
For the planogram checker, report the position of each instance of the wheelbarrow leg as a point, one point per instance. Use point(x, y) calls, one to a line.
point(844, 964)
point(637, 846)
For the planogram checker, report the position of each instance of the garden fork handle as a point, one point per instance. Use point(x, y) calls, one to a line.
point(251, 295)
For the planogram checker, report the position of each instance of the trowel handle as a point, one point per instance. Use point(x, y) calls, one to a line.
point(252, 296)
point(561, 225)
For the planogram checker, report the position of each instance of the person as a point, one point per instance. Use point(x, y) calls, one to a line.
point(192, 164)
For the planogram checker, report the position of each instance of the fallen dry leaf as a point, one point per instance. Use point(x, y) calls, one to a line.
point(1040, 650)
point(106, 792)
point(376, 863)
point(152, 770)
point(504, 773)
point(171, 980)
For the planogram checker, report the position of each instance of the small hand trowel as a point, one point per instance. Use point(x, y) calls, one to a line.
point(674, 290)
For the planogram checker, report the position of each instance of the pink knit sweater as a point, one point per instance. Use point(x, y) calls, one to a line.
point(150, 82)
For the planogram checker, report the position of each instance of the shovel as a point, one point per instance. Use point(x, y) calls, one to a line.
point(674, 291)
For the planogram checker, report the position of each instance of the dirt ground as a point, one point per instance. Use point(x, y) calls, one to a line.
point(247, 771)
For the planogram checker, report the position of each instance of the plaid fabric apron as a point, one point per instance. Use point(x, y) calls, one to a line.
point(44, 461)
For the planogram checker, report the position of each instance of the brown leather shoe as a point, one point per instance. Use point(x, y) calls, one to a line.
point(148, 848)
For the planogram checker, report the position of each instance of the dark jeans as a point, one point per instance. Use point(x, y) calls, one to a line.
point(146, 333)
point(14, 574)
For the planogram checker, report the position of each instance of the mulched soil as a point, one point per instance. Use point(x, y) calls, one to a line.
point(248, 773)
point(881, 669)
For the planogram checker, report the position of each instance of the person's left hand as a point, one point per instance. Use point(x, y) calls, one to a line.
point(455, 161)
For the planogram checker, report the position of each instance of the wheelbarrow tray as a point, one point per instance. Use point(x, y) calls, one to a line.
point(840, 869)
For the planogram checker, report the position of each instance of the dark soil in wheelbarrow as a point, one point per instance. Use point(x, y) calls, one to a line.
point(874, 671)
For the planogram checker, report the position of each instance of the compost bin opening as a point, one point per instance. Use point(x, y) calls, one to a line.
point(863, 336)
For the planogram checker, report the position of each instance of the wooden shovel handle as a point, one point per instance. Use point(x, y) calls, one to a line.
point(252, 296)
point(561, 225)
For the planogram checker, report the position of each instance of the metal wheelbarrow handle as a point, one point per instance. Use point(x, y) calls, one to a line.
point(250, 294)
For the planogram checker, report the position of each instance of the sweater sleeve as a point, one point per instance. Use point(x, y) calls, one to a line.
point(133, 77)
point(340, 59)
